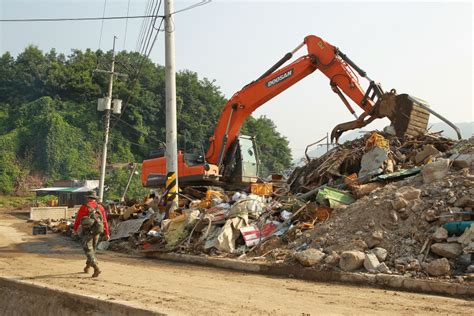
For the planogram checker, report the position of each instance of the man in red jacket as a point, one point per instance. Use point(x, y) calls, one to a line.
point(92, 220)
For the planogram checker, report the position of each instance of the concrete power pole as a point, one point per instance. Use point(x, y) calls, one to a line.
point(107, 110)
point(170, 94)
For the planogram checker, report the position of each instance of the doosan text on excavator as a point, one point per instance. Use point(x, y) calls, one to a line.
point(232, 159)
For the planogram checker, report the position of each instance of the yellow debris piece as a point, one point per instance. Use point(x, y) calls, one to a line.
point(376, 140)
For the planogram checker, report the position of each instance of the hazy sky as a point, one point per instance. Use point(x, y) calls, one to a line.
point(421, 48)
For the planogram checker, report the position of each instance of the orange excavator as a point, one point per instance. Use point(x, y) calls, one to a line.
point(232, 158)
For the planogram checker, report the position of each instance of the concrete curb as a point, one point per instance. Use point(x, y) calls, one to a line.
point(386, 281)
point(25, 298)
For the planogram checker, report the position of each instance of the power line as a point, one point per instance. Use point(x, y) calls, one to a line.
point(145, 56)
point(81, 19)
point(126, 26)
point(143, 44)
point(102, 25)
point(149, 31)
point(142, 27)
point(131, 126)
point(203, 2)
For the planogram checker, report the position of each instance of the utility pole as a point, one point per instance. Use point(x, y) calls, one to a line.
point(170, 94)
point(134, 168)
point(106, 109)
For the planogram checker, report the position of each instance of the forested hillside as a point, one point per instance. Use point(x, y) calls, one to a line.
point(50, 127)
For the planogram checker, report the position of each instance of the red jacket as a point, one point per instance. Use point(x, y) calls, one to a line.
point(84, 211)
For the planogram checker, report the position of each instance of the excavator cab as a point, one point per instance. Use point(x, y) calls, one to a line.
point(241, 165)
point(239, 168)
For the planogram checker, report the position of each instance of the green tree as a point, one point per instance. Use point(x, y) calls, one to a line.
point(10, 168)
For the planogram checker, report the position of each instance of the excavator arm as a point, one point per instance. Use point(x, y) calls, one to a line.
point(321, 56)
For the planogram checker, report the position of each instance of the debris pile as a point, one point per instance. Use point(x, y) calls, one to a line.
point(378, 204)
point(368, 156)
point(61, 226)
point(210, 221)
point(418, 226)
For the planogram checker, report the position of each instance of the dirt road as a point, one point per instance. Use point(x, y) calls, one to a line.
point(172, 288)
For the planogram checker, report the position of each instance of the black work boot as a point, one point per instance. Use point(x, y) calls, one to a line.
point(96, 271)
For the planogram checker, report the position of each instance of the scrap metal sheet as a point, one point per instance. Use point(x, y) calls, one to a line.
point(127, 228)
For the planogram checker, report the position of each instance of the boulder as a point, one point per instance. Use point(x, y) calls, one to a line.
point(447, 250)
point(375, 239)
point(381, 253)
point(309, 257)
point(463, 160)
point(438, 267)
point(358, 244)
point(383, 268)
point(332, 259)
point(371, 262)
point(408, 193)
point(427, 151)
point(441, 234)
point(469, 248)
point(435, 171)
point(351, 260)
point(399, 203)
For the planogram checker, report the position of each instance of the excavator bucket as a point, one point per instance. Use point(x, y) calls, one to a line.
point(410, 117)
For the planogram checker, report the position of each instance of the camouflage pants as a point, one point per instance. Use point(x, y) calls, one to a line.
point(89, 244)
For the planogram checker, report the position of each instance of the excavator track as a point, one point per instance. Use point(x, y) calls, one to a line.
point(411, 119)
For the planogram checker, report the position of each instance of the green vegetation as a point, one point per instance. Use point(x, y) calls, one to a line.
point(49, 124)
point(12, 202)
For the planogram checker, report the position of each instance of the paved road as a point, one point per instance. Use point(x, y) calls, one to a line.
point(178, 289)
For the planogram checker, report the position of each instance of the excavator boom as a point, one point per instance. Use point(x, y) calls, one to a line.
point(321, 56)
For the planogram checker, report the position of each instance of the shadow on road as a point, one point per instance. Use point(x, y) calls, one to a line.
point(74, 275)
point(23, 215)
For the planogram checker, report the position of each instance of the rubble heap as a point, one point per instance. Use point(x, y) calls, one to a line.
point(402, 225)
point(346, 159)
